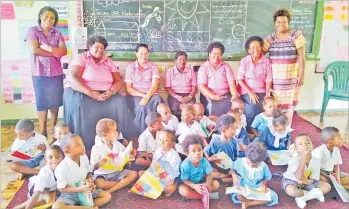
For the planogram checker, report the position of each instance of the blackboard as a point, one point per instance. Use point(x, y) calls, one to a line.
point(170, 26)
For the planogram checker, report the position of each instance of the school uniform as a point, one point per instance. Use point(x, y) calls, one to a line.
point(243, 120)
point(35, 140)
point(172, 157)
point(204, 123)
point(274, 140)
point(100, 151)
point(69, 173)
point(44, 182)
point(172, 124)
point(241, 137)
point(141, 80)
point(181, 83)
point(217, 80)
point(260, 123)
point(194, 174)
point(184, 130)
point(252, 177)
point(147, 142)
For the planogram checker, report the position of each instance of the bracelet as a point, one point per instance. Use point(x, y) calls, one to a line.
point(190, 97)
point(112, 92)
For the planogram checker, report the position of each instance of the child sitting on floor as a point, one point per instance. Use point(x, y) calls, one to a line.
point(147, 140)
point(189, 125)
point(295, 182)
point(196, 171)
point(42, 187)
point(75, 169)
point(251, 171)
point(241, 135)
point(330, 156)
point(169, 121)
point(167, 141)
point(206, 124)
point(264, 119)
point(61, 129)
point(238, 105)
point(222, 142)
point(35, 141)
point(277, 136)
point(109, 180)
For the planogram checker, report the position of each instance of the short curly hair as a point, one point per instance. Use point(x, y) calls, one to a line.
point(190, 140)
point(181, 53)
point(62, 125)
point(151, 118)
point(282, 13)
point(189, 108)
point(57, 149)
point(25, 125)
point(141, 45)
point(217, 45)
point(249, 40)
point(224, 121)
point(256, 152)
point(266, 99)
point(104, 125)
point(328, 133)
point(97, 39)
point(169, 133)
point(279, 118)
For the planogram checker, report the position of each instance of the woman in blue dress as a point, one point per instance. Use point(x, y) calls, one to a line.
point(251, 171)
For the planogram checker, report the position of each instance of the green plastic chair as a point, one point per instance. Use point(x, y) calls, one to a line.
point(340, 90)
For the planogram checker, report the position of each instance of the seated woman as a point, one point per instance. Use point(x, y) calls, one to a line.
point(216, 82)
point(142, 80)
point(180, 84)
point(255, 78)
point(94, 81)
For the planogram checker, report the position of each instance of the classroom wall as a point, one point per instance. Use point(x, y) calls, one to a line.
point(310, 97)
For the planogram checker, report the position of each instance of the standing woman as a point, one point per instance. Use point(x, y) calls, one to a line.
point(286, 48)
point(47, 46)
point(180, 84)
point(216, 82)
point(142, 80)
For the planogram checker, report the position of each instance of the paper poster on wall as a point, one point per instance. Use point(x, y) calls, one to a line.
point(28, 9)
point(16, 82)
point(62, 8)
point(334, 37)
point(23, 27)
point(7, 11)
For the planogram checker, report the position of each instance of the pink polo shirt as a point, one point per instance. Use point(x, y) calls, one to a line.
point(141, 79)
point(97, 76)
point(255, 75)
point(217, 80)
point(180, 82)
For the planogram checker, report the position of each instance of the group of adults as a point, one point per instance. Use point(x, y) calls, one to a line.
point(94, 81)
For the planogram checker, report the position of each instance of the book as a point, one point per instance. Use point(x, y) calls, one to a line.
point(117, 161)
point(85, 198)
point(279, 157)
point(226, 162)
point(343, 193)
point(250, 192)
point(153, 181)
point(206, 198)
point(26, 151)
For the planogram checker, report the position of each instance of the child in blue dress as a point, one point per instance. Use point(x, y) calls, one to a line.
point(253, 172)
point(223, 142)
point(241, 135)
point(277, 136)
point(264, 119)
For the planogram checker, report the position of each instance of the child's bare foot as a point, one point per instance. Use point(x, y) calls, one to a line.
point(167, 194)
point(244, 205)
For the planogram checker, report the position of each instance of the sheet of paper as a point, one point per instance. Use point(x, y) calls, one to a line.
point(279, 157)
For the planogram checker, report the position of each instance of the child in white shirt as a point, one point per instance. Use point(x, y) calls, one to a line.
point(26, 134)
point(295, 181)
point(61, 129)
point(108, 180)
point(206, 124)
point(167, 141)
point(147, 143)
point(189, 125)
point(42, 187)
point(330, 156)
point(169, 121)
point(74, 169)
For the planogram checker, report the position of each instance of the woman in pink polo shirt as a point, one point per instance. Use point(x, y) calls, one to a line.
point(216, 82)
point(142, 80)
point(93, 93)
point(180, 84)
point(254, 78)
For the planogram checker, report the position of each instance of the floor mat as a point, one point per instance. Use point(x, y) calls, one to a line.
point(124, 200)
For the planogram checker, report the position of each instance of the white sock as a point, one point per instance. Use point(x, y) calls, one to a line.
point(314, 193)
point(300, 202)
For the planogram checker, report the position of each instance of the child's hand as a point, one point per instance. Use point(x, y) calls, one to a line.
point(199, 188)
point(169, 182)
point(84, 187)
point(338, 179)
point(210, 127)
point(41, 147)
point(306, 155)
point(236, 180)
point(263, 185)
point(258, 134)
point(102, 162)
point(242, 147)
point(215, 159)
point(208, 186)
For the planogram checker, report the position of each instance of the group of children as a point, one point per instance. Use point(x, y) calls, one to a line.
point(190, 147)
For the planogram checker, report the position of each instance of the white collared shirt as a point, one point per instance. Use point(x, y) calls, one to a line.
point(328, 160)
point(146, 142)
point(184, 130)
point(34, 141)
point(98, 139)
point(243, 120)
point(172, 157)
point(252, 171)
point(100, 151)
point(68, 172)
point(172, 124)
point(293, 165)
point(278, 136)
point(45, 180)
